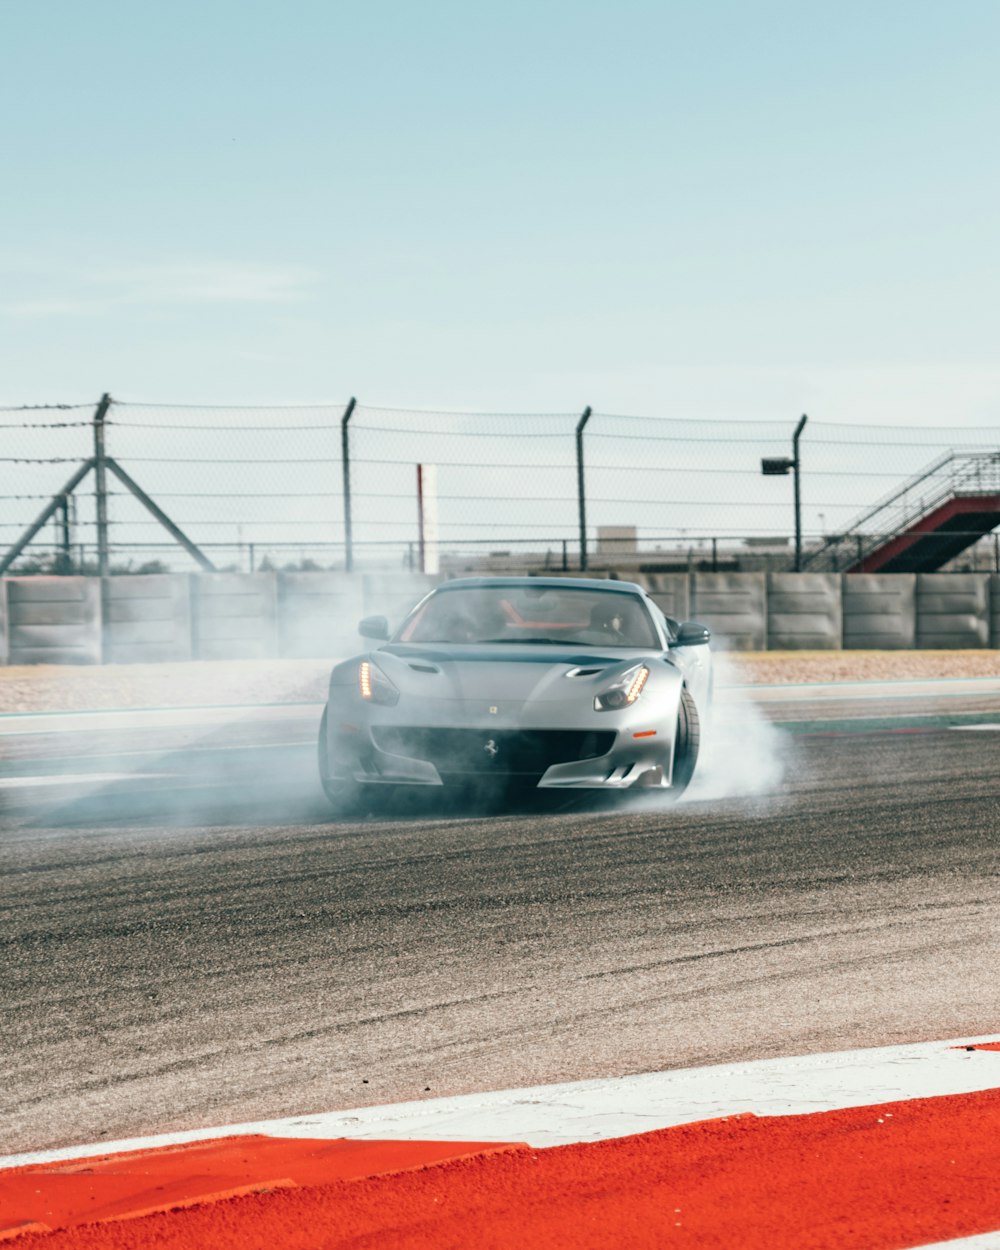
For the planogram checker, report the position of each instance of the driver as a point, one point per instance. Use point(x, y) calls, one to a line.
point(466, 622)
point(489, 623)
point(606, 621)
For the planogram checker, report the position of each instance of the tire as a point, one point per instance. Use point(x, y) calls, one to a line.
point(343, 792)
point(686, 744)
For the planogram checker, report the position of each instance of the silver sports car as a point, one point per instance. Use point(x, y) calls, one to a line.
point(543, 682)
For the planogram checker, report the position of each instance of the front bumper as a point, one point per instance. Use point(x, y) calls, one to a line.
point(435, 755)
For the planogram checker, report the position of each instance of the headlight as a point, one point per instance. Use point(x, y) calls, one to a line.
point(626, 690)
point(374, 686)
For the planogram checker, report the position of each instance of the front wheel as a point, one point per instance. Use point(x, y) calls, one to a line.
point(340, 788)
point(686, 743)
point(650, 786)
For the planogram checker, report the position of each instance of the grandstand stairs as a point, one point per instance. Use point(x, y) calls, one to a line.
point(929, 520)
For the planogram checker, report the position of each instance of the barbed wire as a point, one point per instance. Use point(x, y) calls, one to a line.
point(337, 406)
point(679, 537)
point(43, 425)
point(228, 429)
point(615, 436)
point(857, 429)
point(381, 494)
point(134, 403)
point(356, 460)
point(43, 407)
point(685, 438)
point(780, 504)
point(502, 478)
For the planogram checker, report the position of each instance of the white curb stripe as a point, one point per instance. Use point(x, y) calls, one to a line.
point(982, 1241)
point(581, 1111)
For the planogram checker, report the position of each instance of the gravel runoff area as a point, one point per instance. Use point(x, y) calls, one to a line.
point(195, 683)
point(50, 688)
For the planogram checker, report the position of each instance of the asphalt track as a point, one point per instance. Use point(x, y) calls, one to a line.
point(188, 938)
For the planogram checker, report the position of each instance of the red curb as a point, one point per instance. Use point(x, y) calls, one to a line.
point(866, 1178)
point(26, 1226)
point(45, 1197)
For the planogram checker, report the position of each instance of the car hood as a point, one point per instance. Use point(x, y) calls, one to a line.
point(501, 674)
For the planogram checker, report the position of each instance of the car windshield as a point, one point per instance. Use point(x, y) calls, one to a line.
point(535, 614)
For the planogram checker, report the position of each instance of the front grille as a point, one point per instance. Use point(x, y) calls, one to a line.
point(505, 752)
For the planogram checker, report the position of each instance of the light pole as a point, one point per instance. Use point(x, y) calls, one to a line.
point(581, 487)
point(345, 469)
point(780, 466)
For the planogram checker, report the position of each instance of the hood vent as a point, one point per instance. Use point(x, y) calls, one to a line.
point(424, 668)
point(584, 672)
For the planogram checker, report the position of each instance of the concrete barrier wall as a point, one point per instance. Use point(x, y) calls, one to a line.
point(147, 618)
point(995, 610)
point(879, 610)
point(734, 606)
point(953, 610)
point(73, 620)
point(4, 636)
point(804, 612)
point(671, 592)
point(54, 620)
point(393, 595)
point(994, 591)
point(234, 616)
point(318, 614)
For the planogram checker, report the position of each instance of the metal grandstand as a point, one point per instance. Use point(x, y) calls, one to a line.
point(920, 526)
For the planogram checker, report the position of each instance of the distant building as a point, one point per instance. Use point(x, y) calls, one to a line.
point(617, 540)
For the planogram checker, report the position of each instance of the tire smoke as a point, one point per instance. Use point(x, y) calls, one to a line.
point(743, 754)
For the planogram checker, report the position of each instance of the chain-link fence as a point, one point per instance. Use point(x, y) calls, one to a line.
point(264, 487)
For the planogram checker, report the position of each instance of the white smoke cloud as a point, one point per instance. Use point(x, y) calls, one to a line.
point(743, 754)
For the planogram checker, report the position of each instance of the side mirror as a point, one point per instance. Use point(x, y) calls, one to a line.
point(374, 627)
point(691, 634)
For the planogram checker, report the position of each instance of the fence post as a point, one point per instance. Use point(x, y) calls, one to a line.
point(46, 514)
point(581, 491)
point(154, 509)
point(778, 466)
point(345, 462)
point(64, 561)
point(101, 485)
point(798, 492)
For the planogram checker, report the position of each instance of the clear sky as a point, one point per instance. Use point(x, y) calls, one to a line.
point(731, 209)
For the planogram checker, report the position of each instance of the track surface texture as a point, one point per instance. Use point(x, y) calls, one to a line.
point(195, 941)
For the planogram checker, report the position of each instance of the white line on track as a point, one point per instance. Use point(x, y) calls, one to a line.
point(79, 779)
point(191, 748)
point(973, 728)
point(30, 723)
point(581, 1111)
point(851, 692)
